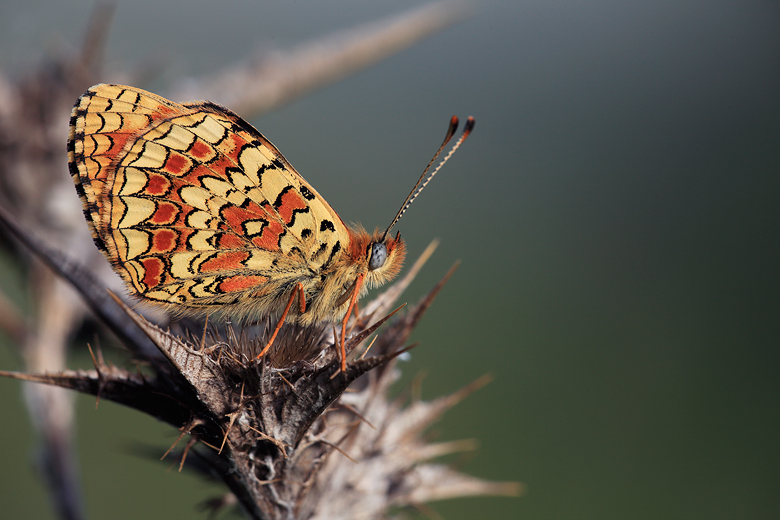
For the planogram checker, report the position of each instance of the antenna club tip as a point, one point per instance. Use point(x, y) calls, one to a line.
point(454, 121)
point(469, 127)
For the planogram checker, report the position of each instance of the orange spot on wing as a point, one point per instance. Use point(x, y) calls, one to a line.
point(165, 213)
point(239, 283)
point(231, 241)
point(269, 238)
point(118, 140)
point(201, 150)
point(218, 167)
point(158, 185)
point(230, 147)
point(164, 240)
point(253, 207)
point(235, 216)
point(163, 111)
point(153, 268)
point(291, 201)
point(176, 164)
point(226, 261)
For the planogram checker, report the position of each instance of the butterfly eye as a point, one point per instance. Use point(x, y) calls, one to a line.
point(378, 256)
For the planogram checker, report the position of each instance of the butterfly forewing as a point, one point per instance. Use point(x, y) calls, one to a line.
point(191, 204)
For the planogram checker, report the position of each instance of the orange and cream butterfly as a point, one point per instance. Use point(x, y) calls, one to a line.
point(199, 213)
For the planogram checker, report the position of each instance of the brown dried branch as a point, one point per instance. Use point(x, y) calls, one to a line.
point(271, 80)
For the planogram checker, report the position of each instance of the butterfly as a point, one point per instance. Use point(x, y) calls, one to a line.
point(200, 214)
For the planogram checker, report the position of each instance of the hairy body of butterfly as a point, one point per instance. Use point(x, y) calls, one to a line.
point(201, 214)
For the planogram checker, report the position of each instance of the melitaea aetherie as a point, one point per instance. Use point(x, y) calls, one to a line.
point(199, 213)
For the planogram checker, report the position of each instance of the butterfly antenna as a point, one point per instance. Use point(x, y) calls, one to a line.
point(420, 185)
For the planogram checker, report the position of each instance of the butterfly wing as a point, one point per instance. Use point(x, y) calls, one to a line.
point(192, 205)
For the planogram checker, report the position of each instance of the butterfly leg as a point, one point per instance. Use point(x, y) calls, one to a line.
point(301, 304)
point(352, 302)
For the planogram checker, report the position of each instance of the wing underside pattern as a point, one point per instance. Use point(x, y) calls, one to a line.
point(191, 204)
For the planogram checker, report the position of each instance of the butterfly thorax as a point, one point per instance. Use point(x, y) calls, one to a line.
point(329, 293)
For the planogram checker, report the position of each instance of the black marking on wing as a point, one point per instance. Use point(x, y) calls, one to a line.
point(307, 194)
point(333, 252)
point(102, 123)
point(279, 201)
point(163, 135)
point(264, 224)
point(327, 225)
point(281, 236)
point(108, 137)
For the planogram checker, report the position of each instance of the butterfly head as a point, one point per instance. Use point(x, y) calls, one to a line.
point(380, 257)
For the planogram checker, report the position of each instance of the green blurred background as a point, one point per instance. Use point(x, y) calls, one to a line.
point(616, 214)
